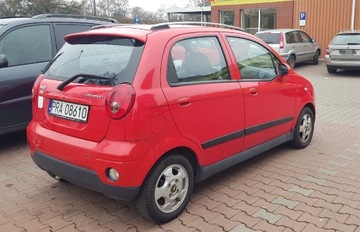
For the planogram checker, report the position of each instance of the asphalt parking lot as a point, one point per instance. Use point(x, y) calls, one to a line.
point(310, 190)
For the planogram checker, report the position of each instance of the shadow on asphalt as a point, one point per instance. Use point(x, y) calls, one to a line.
point(12, 139)
point(355, 73)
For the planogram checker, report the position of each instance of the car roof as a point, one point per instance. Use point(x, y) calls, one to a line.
point(284, 30)
point(55, 18)
point(349, 32)
point(141, 31)
point(5, 21)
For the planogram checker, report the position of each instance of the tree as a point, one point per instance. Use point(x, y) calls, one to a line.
point(200, 2)
point(34, 7)
point(10, 8)
point(146, 17)
point(112, 8)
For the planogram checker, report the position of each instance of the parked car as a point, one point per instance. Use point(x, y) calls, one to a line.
point(146, 111)
point(343, 51)
point(293, 45)
point(26, 46)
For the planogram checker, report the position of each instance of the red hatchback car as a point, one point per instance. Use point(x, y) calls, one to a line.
point(146, 111)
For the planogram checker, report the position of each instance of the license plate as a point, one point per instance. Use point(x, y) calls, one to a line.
point(347, 51)
point(67, 110)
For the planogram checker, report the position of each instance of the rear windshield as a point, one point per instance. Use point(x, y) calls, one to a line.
point(346, 39)
point(109, 58)
point(270, 38)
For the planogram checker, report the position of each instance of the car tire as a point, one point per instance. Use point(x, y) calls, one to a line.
point(166, 190)
point(331, 70)
point(291, 61)
point(304, 129)
point(316, 58)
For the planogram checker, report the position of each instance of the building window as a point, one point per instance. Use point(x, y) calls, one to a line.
point(227, 17)
point(254, 20)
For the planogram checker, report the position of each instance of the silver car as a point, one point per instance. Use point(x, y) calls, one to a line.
point(343, 52)
point(293, 45)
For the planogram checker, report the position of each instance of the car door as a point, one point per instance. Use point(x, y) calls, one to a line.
point(295, 45)
point(204, 100)
point(308, 47)
point(269, 98)
point(28, 48)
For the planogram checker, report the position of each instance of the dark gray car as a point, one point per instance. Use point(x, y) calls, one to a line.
point(26, 46)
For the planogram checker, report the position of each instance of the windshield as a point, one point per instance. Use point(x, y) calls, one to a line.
point(110, 58)
point(346, 39)
point(270, 38)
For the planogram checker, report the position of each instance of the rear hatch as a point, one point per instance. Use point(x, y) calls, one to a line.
point(271, 38)
point(76, 96)
point(345, 47)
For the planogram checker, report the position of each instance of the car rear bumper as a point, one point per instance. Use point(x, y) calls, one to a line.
point(342, 64)
point(82, 177)
point(87, 163)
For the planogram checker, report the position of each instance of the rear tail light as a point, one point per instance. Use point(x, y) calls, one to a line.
point(36, 88)
point(120, 100)
point(281, 40)
point(327, 52)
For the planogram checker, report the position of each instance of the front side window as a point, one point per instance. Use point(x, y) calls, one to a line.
point(27, 45)
point(109, 60)
point(305, 37)
point(253, 60)
point(197, 60)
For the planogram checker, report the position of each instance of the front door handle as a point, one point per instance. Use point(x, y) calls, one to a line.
point(253, 91)
point(184, 101)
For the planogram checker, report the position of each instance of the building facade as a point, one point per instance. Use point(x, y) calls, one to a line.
point(321, 19)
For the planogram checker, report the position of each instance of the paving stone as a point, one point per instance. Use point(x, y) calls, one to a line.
point(270, 217)
point(303, 191)
point(337, 164)
point(241, 228)
point(314, 180)
point(347, 157)
point(288, 203)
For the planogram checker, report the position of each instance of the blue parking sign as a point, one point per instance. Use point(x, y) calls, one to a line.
point(137, 20)
point(302, 15)
point(302, 19)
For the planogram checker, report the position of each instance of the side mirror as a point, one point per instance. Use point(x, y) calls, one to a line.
point(283, 69)
point(313, 40)
point(3, 61)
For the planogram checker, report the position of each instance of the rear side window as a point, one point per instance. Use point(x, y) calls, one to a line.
point(27, 45)
point(293, 37)
point(198, 59)
point(346, 39)
point(113, 60)
point(62, 29)
point(270, 38)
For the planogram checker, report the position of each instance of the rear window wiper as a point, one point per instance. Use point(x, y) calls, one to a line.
point(353, 44)
point(84, 76)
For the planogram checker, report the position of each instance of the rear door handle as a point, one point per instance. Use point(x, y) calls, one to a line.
point(253, 91)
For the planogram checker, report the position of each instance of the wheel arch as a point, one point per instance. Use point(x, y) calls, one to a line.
point(312, 108)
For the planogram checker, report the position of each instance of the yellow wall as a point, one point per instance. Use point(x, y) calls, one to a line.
point(235, 2)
